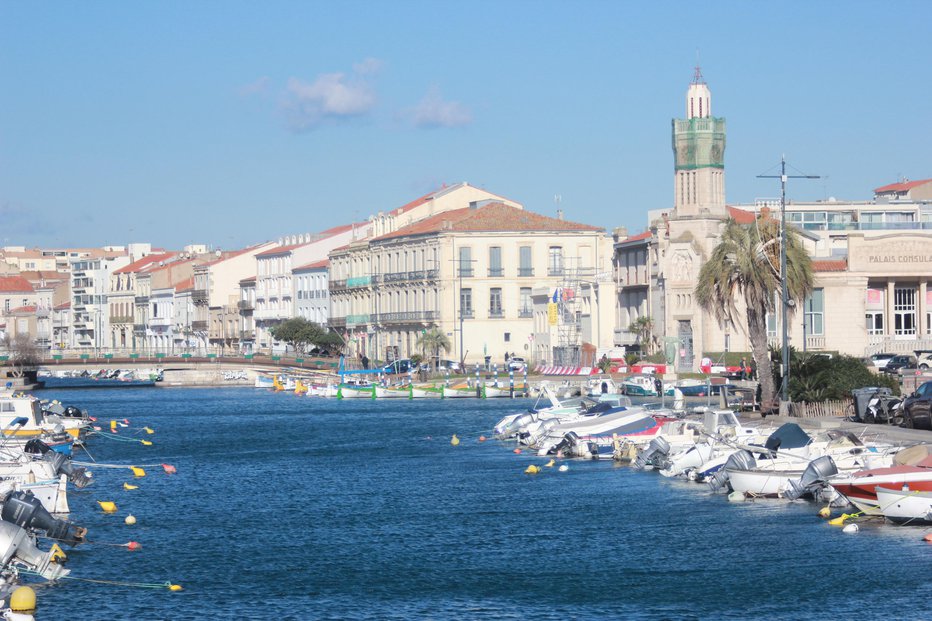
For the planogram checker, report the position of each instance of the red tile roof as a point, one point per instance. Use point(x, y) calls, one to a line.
point(23, 309)
point(429, 196)
point(829, 265)
point(15, 284)
point(36, 276)
point(251, 279)
point(741, 216)
point(489, 217)
point(145, 262)
point(316, 265)
point(63, 306)
point(901, 187)
point(638, 237)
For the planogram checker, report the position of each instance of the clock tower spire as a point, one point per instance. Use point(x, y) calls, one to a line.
point(699, 152)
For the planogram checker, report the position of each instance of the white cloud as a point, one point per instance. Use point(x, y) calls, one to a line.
point(258, 87)
point(330, 97)
point(433, 111)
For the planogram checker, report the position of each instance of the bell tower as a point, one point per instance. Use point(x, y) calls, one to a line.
point(699, 156)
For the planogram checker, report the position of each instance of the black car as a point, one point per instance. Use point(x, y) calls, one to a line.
point(896, 363)
point(917, 408)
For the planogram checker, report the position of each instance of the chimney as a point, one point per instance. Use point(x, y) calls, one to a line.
point(559, 214)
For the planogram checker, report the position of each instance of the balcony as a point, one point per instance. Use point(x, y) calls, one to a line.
point(416, 275)
point(524, 272)
point(247, 335)
point(121, 319)
point(245, 305)
point(815, 342)
point(160, 321)
point(496, 313)
point(337, 322)
point(525, 313)
point(141, 299)
point(466, 313)
point(465, 272)
point(139, 328)
point(199, 296)
point(408, 317)
point(43, 311)
point(357, 320)
point(199, 326)
point(555, 271)
point(496, 272)
point(337, 285)
point(623, 338)
point(358, 281)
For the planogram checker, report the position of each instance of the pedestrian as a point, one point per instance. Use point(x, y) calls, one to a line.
point(365, 362)
point(744, 369)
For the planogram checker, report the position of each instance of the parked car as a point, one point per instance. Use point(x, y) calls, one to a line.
point(399, 366)
point(880, 360)
point(516, 363)
point(441, 365)
point(917, 408)
point(898, 363)
point(924, 360)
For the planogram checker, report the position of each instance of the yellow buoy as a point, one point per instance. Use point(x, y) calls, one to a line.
point(532, 469)
point(148, 430)
point(23, 599)
point(454, 441)
point(108, 506)
point(130, 520)
point(127, 486)
point(139, 472)
point(550, 463)
point(824, 512)
point(146, 443)
point(840, 520)
point(175, 587)
point(113, 426)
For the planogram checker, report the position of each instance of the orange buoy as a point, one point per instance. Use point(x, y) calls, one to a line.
point(928, 538)
point(517, 451)
point(133, 545)
point(481, 438)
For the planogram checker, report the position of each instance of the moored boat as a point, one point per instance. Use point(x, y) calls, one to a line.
point(904, 505)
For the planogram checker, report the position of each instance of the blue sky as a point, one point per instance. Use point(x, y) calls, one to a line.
point(229, 123)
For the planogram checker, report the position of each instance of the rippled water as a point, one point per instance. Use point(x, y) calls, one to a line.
point(300, 508)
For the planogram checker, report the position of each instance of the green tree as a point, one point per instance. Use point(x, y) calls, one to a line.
point(299, 333)
point(643, 326)
point(433, 341)
point(746, 265)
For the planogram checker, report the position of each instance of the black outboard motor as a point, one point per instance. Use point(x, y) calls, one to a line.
point(60, 462)
point(814, 478)
point(567, 445)
point(658, 448)
point(740, 460)
point(26, 511)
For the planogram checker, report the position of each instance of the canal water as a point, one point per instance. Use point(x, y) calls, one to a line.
point(288, 507)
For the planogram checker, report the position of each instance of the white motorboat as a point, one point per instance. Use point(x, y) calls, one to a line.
point(580, 436)
point(356, 390)
point(911, 467)
point(904, 505)
point(21, 416)
point(393, 392)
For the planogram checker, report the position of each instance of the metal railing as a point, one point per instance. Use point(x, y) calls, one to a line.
point(246, 305)
point(408, 317)
point(199, 295)
point(524, 272)
point(496, 313)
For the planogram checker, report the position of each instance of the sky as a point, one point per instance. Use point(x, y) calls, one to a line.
point(229, 123)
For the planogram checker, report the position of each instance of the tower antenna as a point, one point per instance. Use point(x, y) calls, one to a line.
point(697, 78)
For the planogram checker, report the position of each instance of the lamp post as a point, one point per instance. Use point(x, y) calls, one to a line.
point(784, 297)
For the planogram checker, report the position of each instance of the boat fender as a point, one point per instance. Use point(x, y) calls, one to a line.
point(532, 469)
point(454, 440)
point(23, 599)
point(825, 512)
point(850, 529)
point(736, 497)
point(563, 468)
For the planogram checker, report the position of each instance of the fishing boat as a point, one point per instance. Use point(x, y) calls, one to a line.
point(639, 386)
point(593, 436)
point(459, 391)
point(265, 380)
point(904, 505)
point(21, 416)
point(690, 387)
point(393, 392)
point(356, 390)
point(426, 391)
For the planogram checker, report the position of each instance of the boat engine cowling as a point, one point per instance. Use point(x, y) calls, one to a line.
point(16, 543)
point(63, 464)
point(517, 425)
point(814, 478)
point(658, 448)
point(533, 438)
point(26, 511)
point(740, 460)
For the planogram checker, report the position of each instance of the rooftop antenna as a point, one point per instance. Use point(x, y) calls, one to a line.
point(697, 77)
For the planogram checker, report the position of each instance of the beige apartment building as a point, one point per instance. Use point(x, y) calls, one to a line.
point(472, 272)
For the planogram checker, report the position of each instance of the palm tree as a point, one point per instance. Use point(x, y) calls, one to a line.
point(746, 264)
point(433, 341)
point(643, 326)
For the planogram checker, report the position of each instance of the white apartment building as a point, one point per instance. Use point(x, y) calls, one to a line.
point(275, 280)
point(90, 311)
point(312, 292)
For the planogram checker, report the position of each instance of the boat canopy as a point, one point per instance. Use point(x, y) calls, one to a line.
point(787, 436)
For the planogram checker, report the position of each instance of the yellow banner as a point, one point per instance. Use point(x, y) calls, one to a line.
point(552, 313)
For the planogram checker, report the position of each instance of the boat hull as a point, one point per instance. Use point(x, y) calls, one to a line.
point(905, 506)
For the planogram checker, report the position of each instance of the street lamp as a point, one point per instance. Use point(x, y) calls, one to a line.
point(786, 302)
